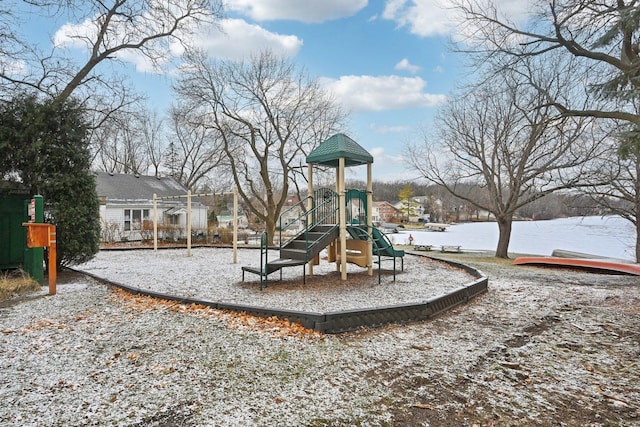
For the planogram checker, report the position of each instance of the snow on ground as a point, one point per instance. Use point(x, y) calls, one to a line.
point(542, 347)
point(610, 236)
point(209, 274)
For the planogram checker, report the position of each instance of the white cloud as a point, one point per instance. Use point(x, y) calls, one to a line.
point(427, 18)
point(232, 39)
point(238, 39)
point(378, 93)
point(388, 129)
point(390, 166)
point(423, 17)
point(377, 151)
point(295, 10)
point(404, 64)
point(75, 36)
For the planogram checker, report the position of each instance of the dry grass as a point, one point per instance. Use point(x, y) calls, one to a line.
point(16, 283)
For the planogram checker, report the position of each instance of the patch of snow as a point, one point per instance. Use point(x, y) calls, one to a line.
point(609, 236)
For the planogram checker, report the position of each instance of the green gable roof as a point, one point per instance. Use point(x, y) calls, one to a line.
point(339, 145)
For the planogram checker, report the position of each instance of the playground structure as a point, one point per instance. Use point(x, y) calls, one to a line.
point(338, 220)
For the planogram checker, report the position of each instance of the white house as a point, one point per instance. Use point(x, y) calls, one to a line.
point(292, 214)
point(126, 207)
point(226, 221)
point(416, 208)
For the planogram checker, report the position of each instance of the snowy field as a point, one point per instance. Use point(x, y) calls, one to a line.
point(609, 236)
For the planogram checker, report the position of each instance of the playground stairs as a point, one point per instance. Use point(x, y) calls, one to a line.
point(308, 244)
point(296, 252)
point(273, 266)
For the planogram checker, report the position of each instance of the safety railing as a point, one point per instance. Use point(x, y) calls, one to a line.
point(324, 210)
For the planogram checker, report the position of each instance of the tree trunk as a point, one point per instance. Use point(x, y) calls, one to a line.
point(270, 228)
point(504, 228)
point(637, 234)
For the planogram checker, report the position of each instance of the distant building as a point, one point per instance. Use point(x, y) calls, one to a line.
point(292, 214)
point(416, 209)
point(226, 221)
point(126, 207)
point(384, 212)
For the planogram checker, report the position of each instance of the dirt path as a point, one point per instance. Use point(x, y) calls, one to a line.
point(543, 347)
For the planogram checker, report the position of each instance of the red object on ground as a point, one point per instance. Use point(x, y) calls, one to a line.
point(602, 265)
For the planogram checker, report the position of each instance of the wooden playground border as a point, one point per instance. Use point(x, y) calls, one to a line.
point(347, 320)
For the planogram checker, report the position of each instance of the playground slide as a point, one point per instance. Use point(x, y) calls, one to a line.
point(382, 245)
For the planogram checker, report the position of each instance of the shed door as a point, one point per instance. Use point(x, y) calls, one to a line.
point(12, 233)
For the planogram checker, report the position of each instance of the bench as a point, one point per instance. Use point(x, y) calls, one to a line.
point(451, 248)
point(422, 247)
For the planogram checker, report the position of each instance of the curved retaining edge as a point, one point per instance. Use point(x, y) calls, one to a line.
point(342, 321)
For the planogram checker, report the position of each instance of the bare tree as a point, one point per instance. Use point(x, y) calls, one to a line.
point(602, 35)
point(152, 135)
point(621, 172)
point(269, 117)
point(601, 38)
point(198, 148)
point(120, 145)
point(504, 136)
point(109, 31)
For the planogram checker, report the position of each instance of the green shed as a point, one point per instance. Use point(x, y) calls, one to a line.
point(13, 238)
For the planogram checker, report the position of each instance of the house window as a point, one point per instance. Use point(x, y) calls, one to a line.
point(133, 218)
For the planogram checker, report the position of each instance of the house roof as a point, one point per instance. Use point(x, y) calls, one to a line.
point(385, 206)
point(339, 146)
point(178, 210)
point(136, 187)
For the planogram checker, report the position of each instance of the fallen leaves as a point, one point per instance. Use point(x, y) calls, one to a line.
point(616, 399)
point(420, 347)
point(273, 324)
point(38, 325)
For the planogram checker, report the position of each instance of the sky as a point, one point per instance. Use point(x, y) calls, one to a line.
point(388, 62)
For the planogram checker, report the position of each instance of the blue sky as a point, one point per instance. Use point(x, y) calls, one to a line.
point(386, 61)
